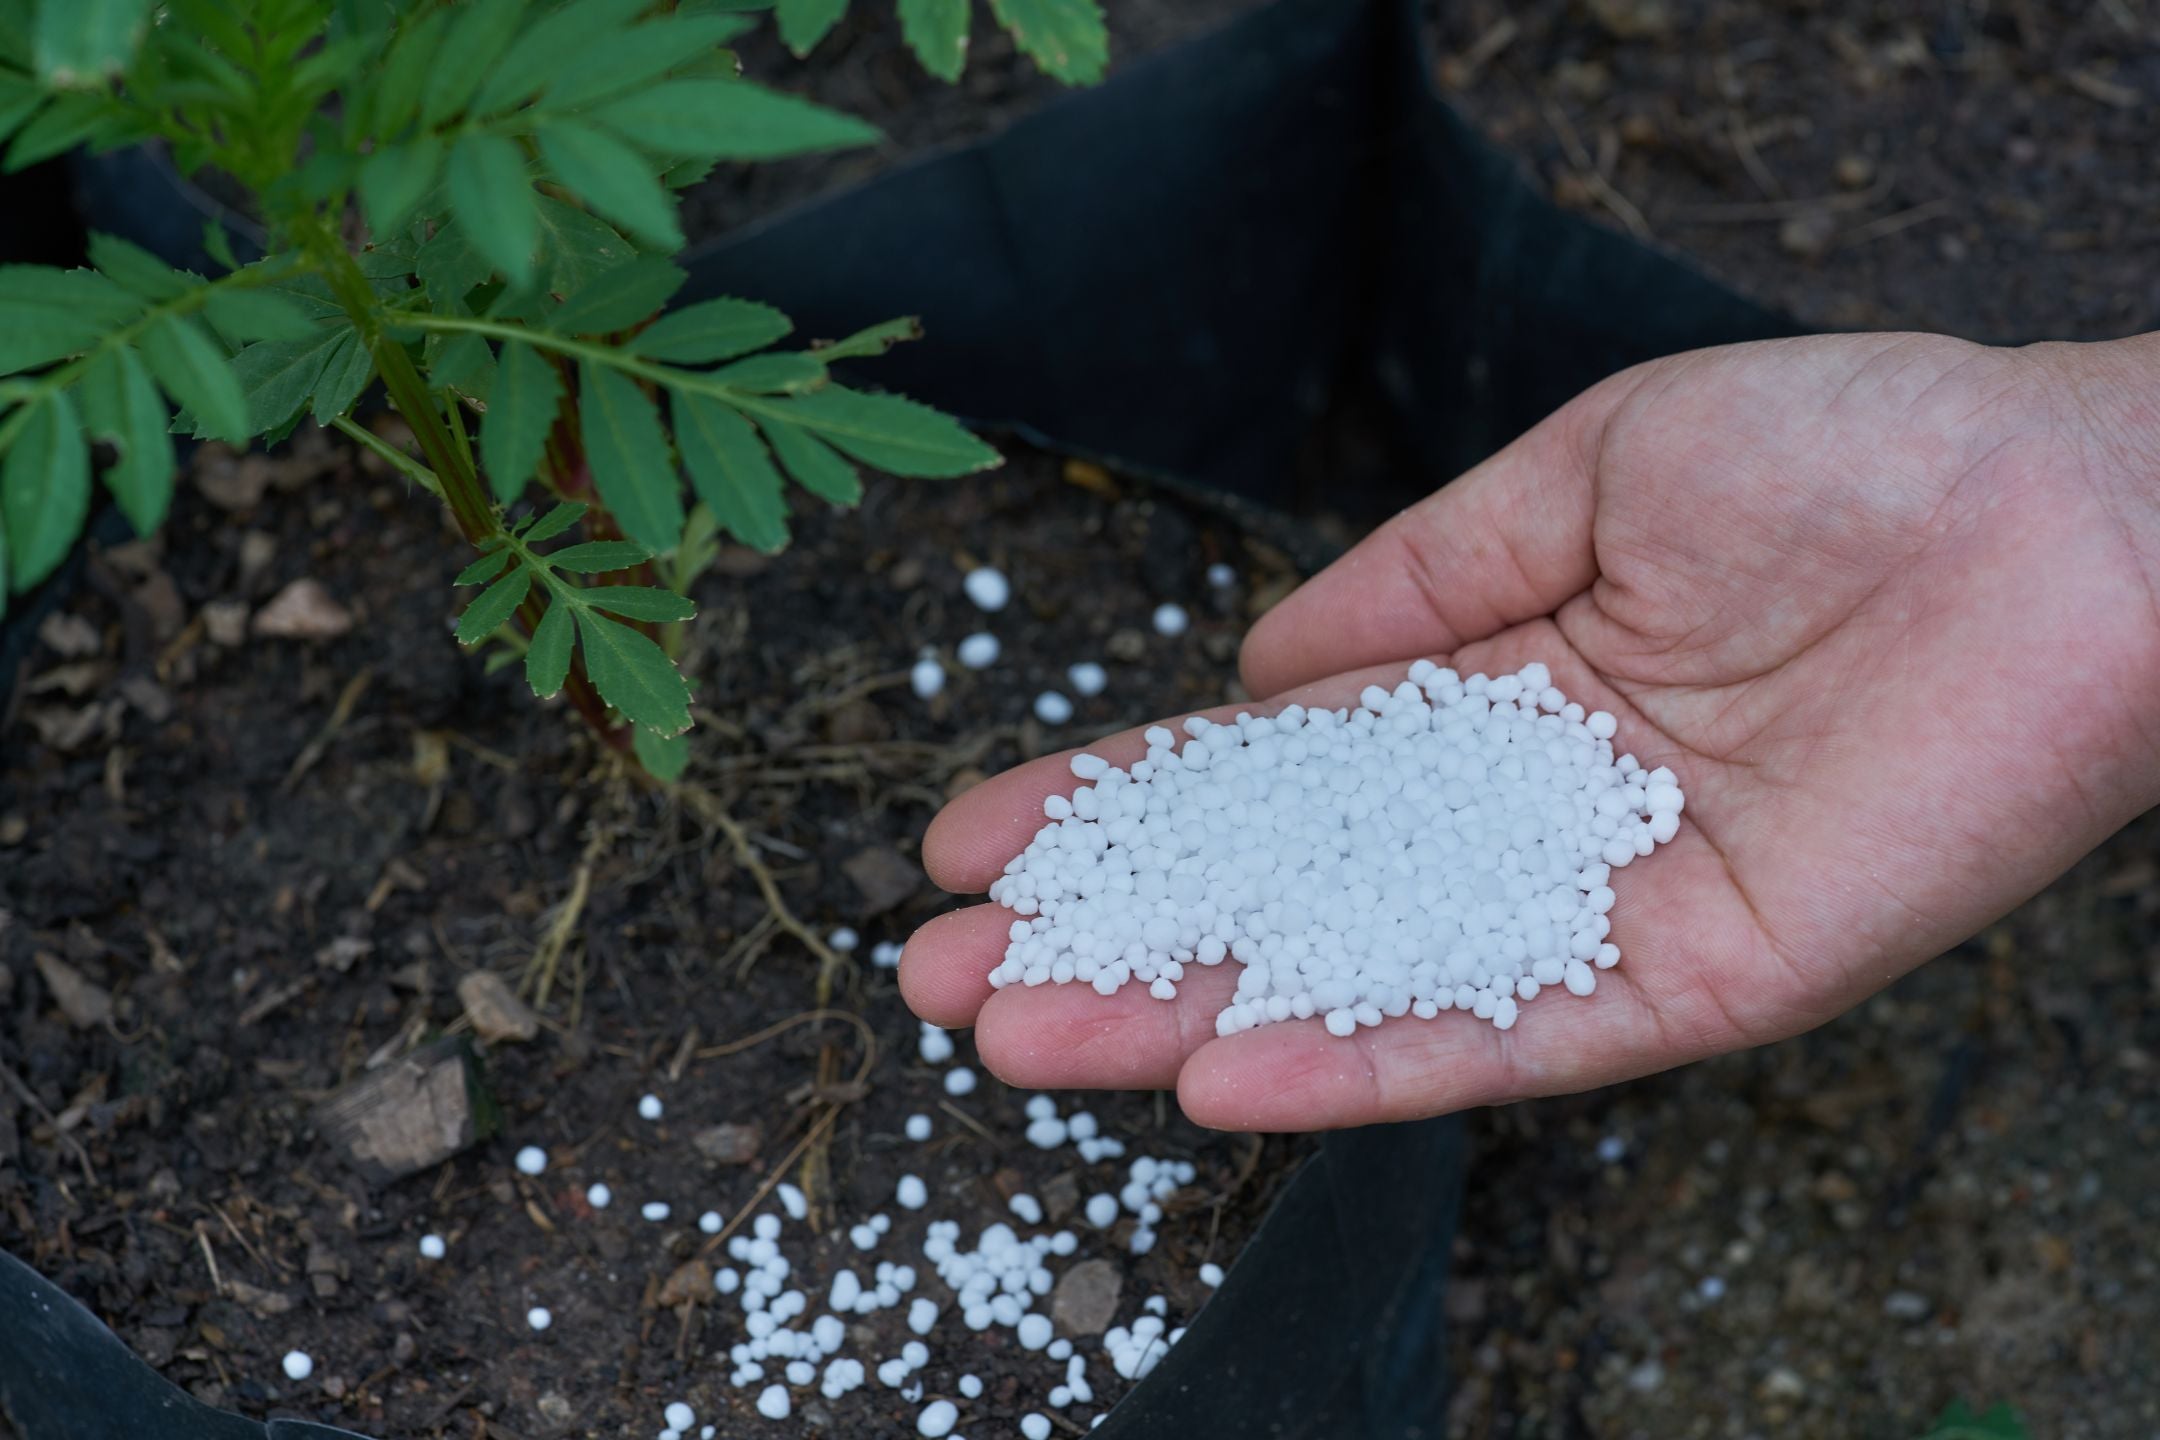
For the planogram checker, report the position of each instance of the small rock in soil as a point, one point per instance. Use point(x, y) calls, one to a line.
point(884, 876)
point(232, 482)
point(1085, 1301)
point(407, 1116)
point(496, 1013)
point(85, 1003)
point(303, 610)
point(225, 622)
point(265, 1303)
point(730, 1144)
point(691, 1282)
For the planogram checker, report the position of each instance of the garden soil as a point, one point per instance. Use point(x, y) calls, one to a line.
point(240, 872)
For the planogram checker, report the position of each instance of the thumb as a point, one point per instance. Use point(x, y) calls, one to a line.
point(1507, 542)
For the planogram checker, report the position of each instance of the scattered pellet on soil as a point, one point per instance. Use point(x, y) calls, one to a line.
point(532, 1160)
point(1170, 619)
point(988, 588)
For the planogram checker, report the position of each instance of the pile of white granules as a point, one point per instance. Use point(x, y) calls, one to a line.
point(1445, 845)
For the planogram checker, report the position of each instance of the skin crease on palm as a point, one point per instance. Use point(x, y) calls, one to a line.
point(1887, 605)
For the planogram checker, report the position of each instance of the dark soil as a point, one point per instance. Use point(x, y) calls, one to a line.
point(277, 899)
point(1981, 169)
point(864, 68)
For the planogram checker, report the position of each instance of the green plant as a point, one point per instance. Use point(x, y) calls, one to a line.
point(1957, 1422)
point(472, 202)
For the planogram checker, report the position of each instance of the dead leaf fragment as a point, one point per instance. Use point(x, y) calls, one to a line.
point(303, 610)
point(884, 876)
point(226, 622)
point(69, 636)
point(691, 1282)
point(85, 1003)
point(493, 1007)
point(265, 1303)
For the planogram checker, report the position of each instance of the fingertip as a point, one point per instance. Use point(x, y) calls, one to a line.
point(945, 966)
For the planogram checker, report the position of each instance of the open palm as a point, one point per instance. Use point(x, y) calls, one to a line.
point(1881, 601)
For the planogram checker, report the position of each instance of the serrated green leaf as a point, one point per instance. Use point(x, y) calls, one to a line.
point(3, 563)
point(122, 405)
point(612, 178)
point(557, 520)
point(493, 606)
point(773, 374)
point(618, 298)
point(450, 267)
point(218, 245)
point(241, 315)
point(487, 567)
point(598, 557)
point(465, 364)
point(937, 31)
point(1067, 38)
point(48, 314)
point(813, 463)
point(135, 269)
point(894, 434)
point(575, 247)
point(20, 97)
point(344, 376)
point(730, 120)
point(194, 370)
point(72, 119)
point(547, 659)
point(1958, 1422)
point(405, 71)
point(494, 202)
point(477, 40)
point(521, 410)
point(556, 44)
point(803, 23)
point(875, 340)
point(629, 457)
point(664, 757)
point(731, 471)
point(711, 330)
point(634, 675)
point(278, 376)
point(44, 490)
point(636, 57)
point(394, 178)
point(638, 602)
point(79, 41)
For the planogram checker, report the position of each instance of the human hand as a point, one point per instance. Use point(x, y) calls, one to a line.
point(1886, 603)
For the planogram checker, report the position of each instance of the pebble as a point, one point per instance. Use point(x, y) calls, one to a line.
point(1052, 708)
point(1171, 619)
point(298, 1365)
point(979, 651)
point(960, 1081)
point(988, 588)
point(926, 679)
point(432, 1247)
point(1088, 679)
point(649, 1108)
point(531, 1160)
point(918, 1127)
point(539, 1317)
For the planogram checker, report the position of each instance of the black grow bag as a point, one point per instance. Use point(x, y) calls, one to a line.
point(1184, 271)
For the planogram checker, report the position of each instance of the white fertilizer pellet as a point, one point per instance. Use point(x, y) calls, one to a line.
point(935, 1046)
point(532, 1160)
point(432, 1247)
point(1171, 619)
point(1034, 1426)
point(918, 1127)
point(793, 1200)
point(1445, 845)
point(599, 1196)
point(988, 588)
point(656, 1210)
point(911, 1193)
point(1052, 708)
point(680, 1417)
point(959, 1081)
point(1221, 576)
point(978, 651)
point(773, 1402)
point(298, 1365)
point(1211, 1275)
point(1088, 679)
point(844, 939)
point(885, 954)
point(711, 1222)
point(650, 1108)
point(937, 1419)
point(539, 1318)
point(926, 679)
